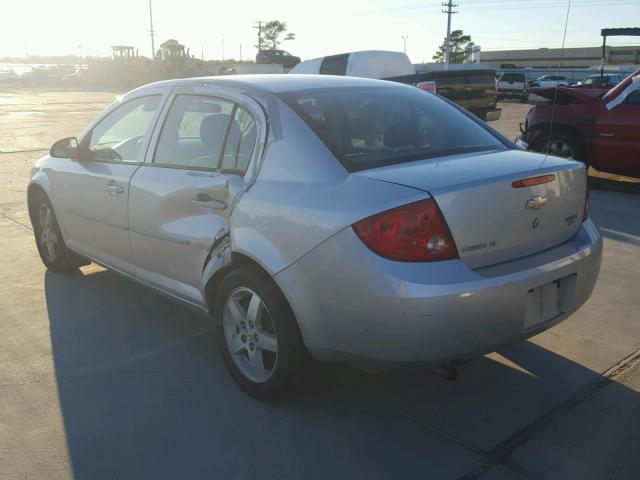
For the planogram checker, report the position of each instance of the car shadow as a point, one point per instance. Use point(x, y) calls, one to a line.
point(144, 394)
point(612, 219)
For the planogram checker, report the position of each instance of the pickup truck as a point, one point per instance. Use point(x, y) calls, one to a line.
point(595, 126)
point(470, 86)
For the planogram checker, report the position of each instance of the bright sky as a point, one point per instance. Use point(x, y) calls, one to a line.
point(58, 27)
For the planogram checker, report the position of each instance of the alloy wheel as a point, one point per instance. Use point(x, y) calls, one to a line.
point(48, 235)
point(250, 334)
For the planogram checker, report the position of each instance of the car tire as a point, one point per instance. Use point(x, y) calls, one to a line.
point(51, 246)
point(246, 339)
point(524, 98)
point(562, 144)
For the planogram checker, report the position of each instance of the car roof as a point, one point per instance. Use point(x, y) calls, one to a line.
point(276, 83)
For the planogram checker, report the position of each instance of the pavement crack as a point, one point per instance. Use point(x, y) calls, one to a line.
point(14, 220)
point(501, 453)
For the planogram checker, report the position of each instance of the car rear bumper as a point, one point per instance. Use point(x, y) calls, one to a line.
point(354, 306)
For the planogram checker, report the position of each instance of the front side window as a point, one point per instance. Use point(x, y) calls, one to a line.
point(372, 126)
point(194, 132)
point(119, 136)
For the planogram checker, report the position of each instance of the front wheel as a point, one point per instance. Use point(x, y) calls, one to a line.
point(561, 144)
point(259, 338)
point(51, 246)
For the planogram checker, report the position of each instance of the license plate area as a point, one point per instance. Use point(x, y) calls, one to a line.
point(546, 302)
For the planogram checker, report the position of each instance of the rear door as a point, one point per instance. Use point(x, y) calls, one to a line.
point(182, 197)
point(617, 142)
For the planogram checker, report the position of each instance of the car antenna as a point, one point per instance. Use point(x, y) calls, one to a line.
point(555, 92)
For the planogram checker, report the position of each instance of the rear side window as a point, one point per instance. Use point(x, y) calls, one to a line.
point(241, 142)
point(194, 132)
point(372, 126)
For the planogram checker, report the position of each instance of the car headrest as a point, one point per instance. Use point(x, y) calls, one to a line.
point(213, 129)
point(402, 134)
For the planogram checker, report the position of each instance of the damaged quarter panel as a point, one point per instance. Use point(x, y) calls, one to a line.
point(301, 197)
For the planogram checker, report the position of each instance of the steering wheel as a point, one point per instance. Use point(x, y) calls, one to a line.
point(204, 161)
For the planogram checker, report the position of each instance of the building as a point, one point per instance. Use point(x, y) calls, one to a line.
point(580, 57)
point(123, 52)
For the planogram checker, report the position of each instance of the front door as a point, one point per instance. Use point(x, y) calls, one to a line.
point(182, 196)
point(617, 143)
point(96, 188)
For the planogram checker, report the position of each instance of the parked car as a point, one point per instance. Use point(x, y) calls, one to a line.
point(513, 85)
point(596, 127)
point(470, 86)
point(279, 57)
point(607, 81)
point(547, 81)
point(357, 220)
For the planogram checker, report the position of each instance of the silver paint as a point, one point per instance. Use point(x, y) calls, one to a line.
point(292, 213)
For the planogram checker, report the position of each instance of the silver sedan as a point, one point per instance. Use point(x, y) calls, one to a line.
point(347, 219)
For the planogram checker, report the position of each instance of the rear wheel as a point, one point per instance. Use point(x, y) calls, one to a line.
point(51, 246)
point(259, 338)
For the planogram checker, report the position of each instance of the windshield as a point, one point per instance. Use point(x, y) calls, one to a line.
point(622, 85)
point(372, 127)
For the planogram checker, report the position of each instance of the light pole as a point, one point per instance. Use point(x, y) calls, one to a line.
point(404, 43)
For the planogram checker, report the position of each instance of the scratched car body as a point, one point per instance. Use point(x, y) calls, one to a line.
point(355, 220)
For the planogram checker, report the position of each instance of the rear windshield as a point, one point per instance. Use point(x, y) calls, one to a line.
point(512, 77)
point(372, 126)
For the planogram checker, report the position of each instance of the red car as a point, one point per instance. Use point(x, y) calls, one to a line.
point(600, 128)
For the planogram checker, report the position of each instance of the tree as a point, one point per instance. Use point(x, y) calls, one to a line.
point(459, 43)
point(269, 35)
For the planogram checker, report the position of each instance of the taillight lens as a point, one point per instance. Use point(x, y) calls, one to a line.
point(416, 232)
point(585, 212)
point(429, 86)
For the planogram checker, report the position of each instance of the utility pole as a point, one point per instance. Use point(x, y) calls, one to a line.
point(223, 50)
point(241, 52)
point(258, 26)
point(152, 32)
point(404, 43)
point(449, 11)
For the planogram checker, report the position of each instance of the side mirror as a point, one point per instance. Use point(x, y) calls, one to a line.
point(66, 148)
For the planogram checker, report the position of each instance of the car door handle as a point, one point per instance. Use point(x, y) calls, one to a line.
point(204, 200)
point(113, 188)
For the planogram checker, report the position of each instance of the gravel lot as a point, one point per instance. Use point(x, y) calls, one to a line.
point(102, 379)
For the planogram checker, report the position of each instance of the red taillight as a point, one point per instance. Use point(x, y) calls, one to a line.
point(429, 86)
point(530, 182)
point(416, 232)
point(585, 212)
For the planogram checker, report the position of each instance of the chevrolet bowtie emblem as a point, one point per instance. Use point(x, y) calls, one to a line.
point(536, 202)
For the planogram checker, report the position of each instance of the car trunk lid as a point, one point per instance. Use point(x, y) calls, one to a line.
point(493, 220)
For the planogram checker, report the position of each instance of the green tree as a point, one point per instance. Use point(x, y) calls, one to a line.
point(459, 42)
point(269, 35)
